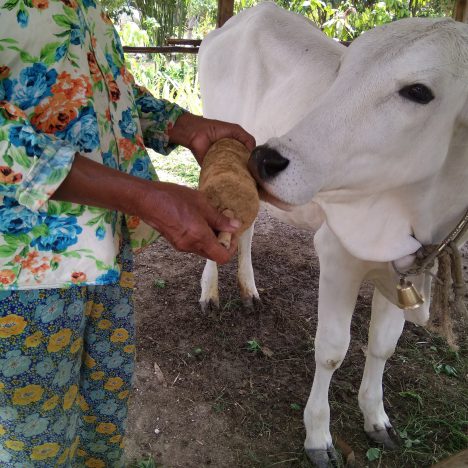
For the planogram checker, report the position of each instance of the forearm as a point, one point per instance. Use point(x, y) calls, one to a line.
point(182, 215)
point(184, 130)
point(94, 184)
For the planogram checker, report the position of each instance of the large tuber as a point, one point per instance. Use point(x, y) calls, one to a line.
point(228, 184)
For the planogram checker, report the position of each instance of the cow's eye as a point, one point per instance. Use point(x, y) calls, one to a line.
point(418, 93)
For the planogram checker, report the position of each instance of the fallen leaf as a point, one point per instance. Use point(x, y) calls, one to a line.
point(159, 375)
point(267, 351)
point(346, 450)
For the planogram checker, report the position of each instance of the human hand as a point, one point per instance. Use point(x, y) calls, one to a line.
point(198, 134)
point(186, 219)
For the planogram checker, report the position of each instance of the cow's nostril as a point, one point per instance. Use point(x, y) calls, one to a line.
point(275, 163)
point(267, 162)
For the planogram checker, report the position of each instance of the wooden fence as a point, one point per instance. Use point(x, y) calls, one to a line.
point(184, 46)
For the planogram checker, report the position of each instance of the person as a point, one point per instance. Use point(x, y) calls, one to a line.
point(78, 195)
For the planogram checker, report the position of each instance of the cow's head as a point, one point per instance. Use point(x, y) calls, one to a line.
point(386, 122)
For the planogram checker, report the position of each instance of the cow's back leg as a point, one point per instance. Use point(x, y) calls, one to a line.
point(386, 325)
point(209, 286)
point(245, 273)
point(340, 279)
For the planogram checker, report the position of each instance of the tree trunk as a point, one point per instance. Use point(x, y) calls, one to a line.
point(460, 11)
point(225, 11)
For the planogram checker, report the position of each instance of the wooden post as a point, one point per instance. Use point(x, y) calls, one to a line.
point(225, 11)
point(460, 11)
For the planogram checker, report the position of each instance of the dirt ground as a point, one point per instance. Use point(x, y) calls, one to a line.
point(217, 401)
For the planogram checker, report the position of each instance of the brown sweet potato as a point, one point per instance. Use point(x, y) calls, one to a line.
point(228, 184)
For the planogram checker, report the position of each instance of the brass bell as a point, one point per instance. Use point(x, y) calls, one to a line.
point(408, 296)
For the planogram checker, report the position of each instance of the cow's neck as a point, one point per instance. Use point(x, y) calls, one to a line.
point(440, 203)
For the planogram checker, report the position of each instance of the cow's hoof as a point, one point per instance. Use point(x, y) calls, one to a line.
point(251, 302)
point(324, 458)
point(209, 305)
point(388, 437)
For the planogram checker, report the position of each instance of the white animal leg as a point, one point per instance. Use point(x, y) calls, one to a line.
point(245, 273)
point(340, 278)
point(386, 325)
point(209, 284)
point(245, 276)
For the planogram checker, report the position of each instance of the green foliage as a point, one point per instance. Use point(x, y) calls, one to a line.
point(346, 20)
point(197, 351)
point(163, 18)
point(350, 19)
point(169, 77)
point(114, 7)
point(408, 442)
point(132, 35)
point(159, 283)
point(203, 14)
point(409, 394)
point(373, 454)
point(243, 4)
point(148, 462)
point(253, 346)
point(446, 369)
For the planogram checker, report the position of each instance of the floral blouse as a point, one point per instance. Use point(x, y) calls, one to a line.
point(64, 89)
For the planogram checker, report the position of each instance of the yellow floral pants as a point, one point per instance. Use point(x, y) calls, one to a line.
point(66, 364)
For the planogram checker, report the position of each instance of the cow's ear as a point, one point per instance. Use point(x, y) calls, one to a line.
point(375, 228)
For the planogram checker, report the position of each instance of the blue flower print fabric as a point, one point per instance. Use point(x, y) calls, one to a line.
point(67, 91)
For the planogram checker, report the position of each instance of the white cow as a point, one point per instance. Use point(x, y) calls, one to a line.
point(372, 142)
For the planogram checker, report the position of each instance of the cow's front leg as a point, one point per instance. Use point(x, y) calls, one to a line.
point(245, 274)
point(386, 325)
point(209, 286)
point(340, 278)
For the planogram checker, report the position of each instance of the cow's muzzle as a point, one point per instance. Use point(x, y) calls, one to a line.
point(266, 163)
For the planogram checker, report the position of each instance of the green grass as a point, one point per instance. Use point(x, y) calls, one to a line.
point(426, 397)
point(220, 404)
point(253, 346)
point(179, 167)
point(436, 420)
point(145, 463)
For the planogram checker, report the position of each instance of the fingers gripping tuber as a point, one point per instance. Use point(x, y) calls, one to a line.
point(228, 184)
